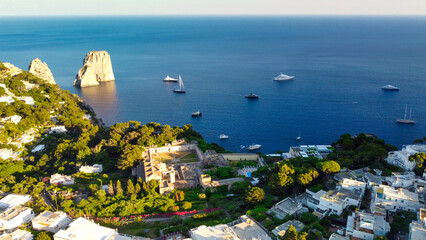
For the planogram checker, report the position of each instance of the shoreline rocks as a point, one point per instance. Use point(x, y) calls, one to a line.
point(97, 67)
point(41, 70)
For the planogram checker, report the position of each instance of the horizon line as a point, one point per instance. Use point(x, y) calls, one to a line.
point(222, 15)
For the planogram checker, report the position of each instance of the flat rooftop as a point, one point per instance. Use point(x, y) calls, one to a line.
point(248, 229)
point(83, 229)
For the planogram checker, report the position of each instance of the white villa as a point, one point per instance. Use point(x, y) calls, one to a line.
point(13, 200)
point(404, 180)
point(15, 216)
point(400, 158)
point(95, 168)
point(219, 232)
point(392, 199)
point(51, 221)
point(366, 226)
point(418, 228)
point(61, 179)
point(58, 129)
point(305, 151)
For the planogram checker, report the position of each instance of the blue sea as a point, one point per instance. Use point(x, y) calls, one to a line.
point(340, 64)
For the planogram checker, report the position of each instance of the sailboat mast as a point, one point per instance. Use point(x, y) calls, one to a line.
point(405, 115)
point(410, 113)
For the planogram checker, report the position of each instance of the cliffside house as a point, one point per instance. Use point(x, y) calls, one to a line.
point(284, 208)
point(58, 129)
point(18, 234)
point(401, 158)
point(386, 198)
point(51, 221)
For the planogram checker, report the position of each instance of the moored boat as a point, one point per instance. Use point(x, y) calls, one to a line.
point(181, 88)
point(283, 77)
point(390, 88)
point(196, 114)
point(252, 96)
point(405, 120)
point(223, 136)
point(254, 147)
point(169, 79)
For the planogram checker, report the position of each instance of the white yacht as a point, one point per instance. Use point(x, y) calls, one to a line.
point(390, 88)
point(169, 79)
point(223, 136)
point(254, 147)
point(283, 77)
point(298, 138)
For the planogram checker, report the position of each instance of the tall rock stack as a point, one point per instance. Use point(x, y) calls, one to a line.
point(96, 68)
point(41, 70)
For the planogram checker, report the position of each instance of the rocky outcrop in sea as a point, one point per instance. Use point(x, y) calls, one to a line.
point(96, 68)
point(41, 70)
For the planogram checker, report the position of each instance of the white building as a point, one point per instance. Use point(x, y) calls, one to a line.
point(218, 232)
point(313, 199)
point(280, 230)
point(38, 148)
point(58, 129)
point(6, 153)
point(15, 216)
point(7, 99)
point(285, 207)
point(61, 179)
point(18, 234)
point(83, 229)
point(51, 221)
point(305, 151)
point(351, 184)
point(27, 100)
point(418, 228)
point(246, 228)
point(392, 199)
point(366, 226)
point(400, 158)
point(14, 119)
point(13, 200)
point(96, 168)
point(335, 236)
point(404, 180)
point(335, 201)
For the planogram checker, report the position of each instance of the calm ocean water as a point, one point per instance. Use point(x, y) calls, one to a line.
point(340, 63)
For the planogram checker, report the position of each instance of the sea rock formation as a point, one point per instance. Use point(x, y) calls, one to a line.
point(41, 70)
point(96, 68)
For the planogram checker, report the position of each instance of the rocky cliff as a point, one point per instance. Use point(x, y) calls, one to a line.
point(41, 70)
point(96, 68)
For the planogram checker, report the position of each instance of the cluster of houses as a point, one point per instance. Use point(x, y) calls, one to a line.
point(13, 214)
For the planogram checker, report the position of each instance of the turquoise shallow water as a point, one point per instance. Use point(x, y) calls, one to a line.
point(340, 63)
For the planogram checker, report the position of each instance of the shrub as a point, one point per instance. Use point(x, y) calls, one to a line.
point(174, 208)
point(201, 196)
point(187, 205)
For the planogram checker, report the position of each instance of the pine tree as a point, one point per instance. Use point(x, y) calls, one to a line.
point(130, 188)
point(290, 234)
point(110, 188)
point(118, 189)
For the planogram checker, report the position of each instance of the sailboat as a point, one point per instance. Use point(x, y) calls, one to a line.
point(405, 120)
point(181, 88)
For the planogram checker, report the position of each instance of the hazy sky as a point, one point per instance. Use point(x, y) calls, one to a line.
point(212, 7)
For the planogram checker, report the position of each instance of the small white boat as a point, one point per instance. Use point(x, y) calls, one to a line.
point(390, 88)
point(283, 77)
point(196, 114)
point(169, 79)
point(223, 136)
point(242, 146)
point(298, 138)
point(254, 147)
